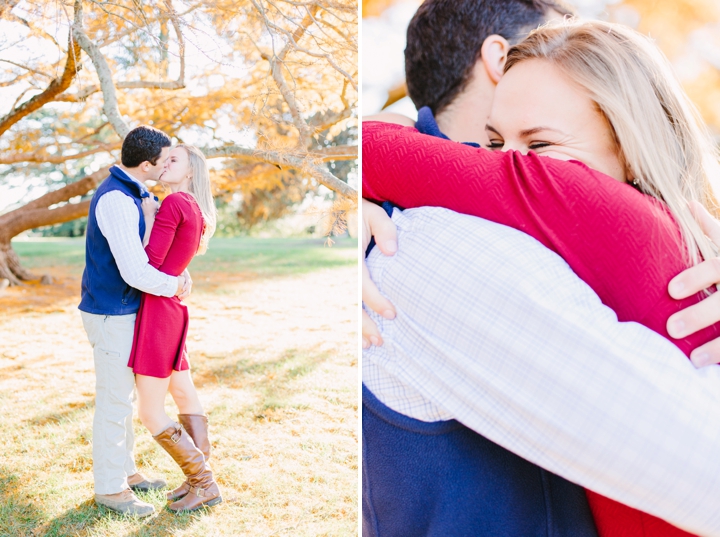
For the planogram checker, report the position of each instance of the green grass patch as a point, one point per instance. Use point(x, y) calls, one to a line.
point(263, 257)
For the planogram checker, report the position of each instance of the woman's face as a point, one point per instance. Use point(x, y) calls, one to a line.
point(177, 168)
point(538, 108)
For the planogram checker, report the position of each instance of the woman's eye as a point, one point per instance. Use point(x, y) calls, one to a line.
point(539, 145)
point(495, 145)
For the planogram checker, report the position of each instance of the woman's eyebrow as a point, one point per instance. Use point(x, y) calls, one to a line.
point(489, 127)
point(535, 130)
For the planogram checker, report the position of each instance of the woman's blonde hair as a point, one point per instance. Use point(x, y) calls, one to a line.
point(201, 190)
point(662, 141)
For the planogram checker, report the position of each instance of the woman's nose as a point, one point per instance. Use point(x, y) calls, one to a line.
point(514, 146)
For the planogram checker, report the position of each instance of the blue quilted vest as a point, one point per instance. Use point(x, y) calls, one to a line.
point(104, 291)
point(442, 479)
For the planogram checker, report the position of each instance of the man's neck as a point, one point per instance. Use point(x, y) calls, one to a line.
point(133, 173)
point(464, 124)
point(465, 118)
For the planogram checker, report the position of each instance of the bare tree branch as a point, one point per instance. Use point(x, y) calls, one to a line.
point(325, 120)
point(79, 96)
point(181, 42)
point(327, 179)
point(27, 68)
point(20, 97)
point(85, 92)
point(110, 104)
point(324, 5)
point(275, 69)
point(38, 213)
point(56, 87)
point(40, 31)
point(78, 188)
point(43, 156)
point(31, 218)
point(299, 162)
point(14, 81)
point(335, 152)
point(328, 57)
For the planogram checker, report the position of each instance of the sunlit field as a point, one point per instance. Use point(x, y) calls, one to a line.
point(273, 347)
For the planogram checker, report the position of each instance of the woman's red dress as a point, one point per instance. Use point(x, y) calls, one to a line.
point(162, 323)
point(622, 243)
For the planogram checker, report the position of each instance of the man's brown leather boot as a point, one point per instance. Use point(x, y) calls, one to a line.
point(203, 491)
point(196, 426)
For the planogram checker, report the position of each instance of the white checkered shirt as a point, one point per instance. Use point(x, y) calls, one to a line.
point(496, 331)
point(118, 220)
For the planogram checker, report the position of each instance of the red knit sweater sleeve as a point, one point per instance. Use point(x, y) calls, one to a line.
point(625, 245)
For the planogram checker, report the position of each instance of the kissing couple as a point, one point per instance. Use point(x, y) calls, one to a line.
point(133, 285)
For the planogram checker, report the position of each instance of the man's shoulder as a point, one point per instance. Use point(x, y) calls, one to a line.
point(114, 195)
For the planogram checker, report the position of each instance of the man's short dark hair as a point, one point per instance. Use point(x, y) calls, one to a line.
point(444, 39)
point(141, 144)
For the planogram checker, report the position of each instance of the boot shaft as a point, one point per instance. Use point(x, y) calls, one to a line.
point(196, 426)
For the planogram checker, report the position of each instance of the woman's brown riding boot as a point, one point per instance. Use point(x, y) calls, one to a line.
point(196, 426)
point(203, 491)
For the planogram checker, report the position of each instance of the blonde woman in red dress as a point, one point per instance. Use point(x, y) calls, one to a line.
point(180, 230)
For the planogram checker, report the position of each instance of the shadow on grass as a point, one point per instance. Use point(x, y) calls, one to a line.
point(20, 516)
point(80, 518)
point(88, 515)
point(165, 522)
point(70, 413)
point(270, 379)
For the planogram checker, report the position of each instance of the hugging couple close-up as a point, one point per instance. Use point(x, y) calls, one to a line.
point(540, 332)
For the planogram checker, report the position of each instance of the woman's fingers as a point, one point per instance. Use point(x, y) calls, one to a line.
point(703, 275)
point(707, 354)
point(149, 205)
point(695, 317)
point(709, 225)
point(693, 280)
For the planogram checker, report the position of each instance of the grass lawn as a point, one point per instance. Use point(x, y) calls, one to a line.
point(273, 347)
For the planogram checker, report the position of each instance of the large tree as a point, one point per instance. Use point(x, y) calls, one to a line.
point(266, 87)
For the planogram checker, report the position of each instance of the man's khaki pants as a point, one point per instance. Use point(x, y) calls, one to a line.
point(111, 337)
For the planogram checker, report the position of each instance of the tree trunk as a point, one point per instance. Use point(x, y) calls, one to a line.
point(39, 213)
point(10, 268)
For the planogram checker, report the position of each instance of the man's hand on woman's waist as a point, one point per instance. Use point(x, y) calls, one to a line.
point(376, 224)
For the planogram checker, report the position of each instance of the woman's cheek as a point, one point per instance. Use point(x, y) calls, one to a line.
point(559, 155)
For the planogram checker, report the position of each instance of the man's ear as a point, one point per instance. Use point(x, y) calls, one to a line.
point(493, 54)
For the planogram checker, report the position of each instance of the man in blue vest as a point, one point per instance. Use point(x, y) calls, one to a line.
point(116, 272)
point(424, 473)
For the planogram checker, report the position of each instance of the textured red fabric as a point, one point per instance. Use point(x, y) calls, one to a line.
point(161, 324)
point(622, 243)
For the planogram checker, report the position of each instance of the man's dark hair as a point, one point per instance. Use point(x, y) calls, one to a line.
point(141, 144)
point(444, 39)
